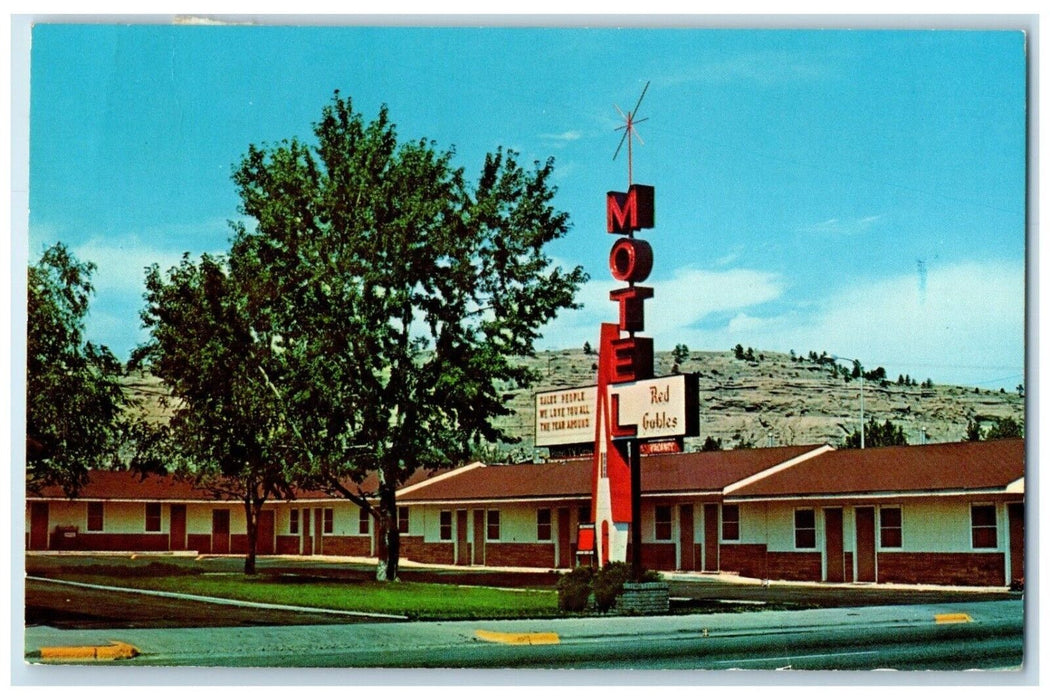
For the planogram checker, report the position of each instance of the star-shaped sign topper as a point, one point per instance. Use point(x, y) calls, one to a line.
point(630, 132)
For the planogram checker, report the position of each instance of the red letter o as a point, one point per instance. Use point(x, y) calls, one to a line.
point(631, 260)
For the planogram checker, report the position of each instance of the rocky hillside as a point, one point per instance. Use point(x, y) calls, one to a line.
point(773, 399)
point(781, 400)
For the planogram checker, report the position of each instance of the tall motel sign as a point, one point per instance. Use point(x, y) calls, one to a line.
point(629, 412)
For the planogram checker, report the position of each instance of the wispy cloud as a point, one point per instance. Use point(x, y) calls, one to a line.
point(843, 227)
point(564, 136)
point(761, 67)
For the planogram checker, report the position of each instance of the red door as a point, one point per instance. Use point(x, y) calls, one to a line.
point(177, 531)
point(833, 545)
point(462, 550)
point(479, 537)
point(318, 531)
point(38, 522)
point(685, 532)
point(564, 535)
point(220, 531)
point(866, 544)
point(1015, 512)
point(710, 537)
point(264, 536)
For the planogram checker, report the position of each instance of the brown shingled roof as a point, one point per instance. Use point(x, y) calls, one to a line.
point(707, 472)
point(129, 486)
point(960, 466)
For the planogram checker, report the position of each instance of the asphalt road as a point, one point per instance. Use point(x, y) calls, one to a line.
point(985, 635)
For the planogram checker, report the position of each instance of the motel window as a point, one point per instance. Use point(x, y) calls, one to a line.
point(890, 532)
point(402, 518)
point(492, 525)
point(329, 521)
point(362, 521)
point(585, 514)
point(983, 527)
point(94, 516)
point(543, 524)
point(663, 522)
point(152, 517)
point(445, 529)
point(293, 521)
point(805, 529)
point(730, 522)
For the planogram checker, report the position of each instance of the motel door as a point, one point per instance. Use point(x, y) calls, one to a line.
point(1015, 513)
point(462, 550)
point(308, 545)
point(836, 560)
point(710, 537)
point(38, 521)
point(220, 531)
point(686, 553)
point(564, 542)
point(866, 544)
point(479, 537)
point(177, 531)
point(318, 531)
point(264, 536)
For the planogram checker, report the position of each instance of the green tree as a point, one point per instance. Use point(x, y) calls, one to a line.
point(973, 431)
point(1005, 428)
point(680, 353)
point(711, 444)
point(74, 401)
point(225, 431)
point(877, 435)
point(398, 294)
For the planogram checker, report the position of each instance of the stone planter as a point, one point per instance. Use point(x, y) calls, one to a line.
point(643, 599)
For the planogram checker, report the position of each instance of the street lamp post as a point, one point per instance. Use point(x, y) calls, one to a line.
point(850, 359)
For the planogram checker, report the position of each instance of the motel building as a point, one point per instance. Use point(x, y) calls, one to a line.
point(947, 514)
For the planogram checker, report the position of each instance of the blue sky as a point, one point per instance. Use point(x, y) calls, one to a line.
point(855, 192)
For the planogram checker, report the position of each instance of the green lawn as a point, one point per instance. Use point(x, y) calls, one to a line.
point(418, 601)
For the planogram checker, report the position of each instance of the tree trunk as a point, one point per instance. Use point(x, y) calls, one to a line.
point(389, 538)
point(251, 516)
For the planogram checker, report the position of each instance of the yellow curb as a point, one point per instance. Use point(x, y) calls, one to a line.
point(118, 650)
point(951, 618)
point(534, 638)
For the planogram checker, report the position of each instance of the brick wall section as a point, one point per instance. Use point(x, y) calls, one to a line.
point(539, 555)
point(201, 543)
point(745, 559)
point(288, 544)
point(340, 546)
point(102, 542)
point(793, 566)
point(239, 544)
point(948, 568)
point(416, 549)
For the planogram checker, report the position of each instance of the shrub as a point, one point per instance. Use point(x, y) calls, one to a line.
point(608, 583)
point(574, 588)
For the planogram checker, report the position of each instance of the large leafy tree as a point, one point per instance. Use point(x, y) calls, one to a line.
point(74, 401)
point(224, 432)
point(397, 294)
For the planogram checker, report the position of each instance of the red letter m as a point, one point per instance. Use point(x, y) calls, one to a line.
point(629, 211)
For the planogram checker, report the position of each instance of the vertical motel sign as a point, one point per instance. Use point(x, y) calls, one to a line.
point(632, 407)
